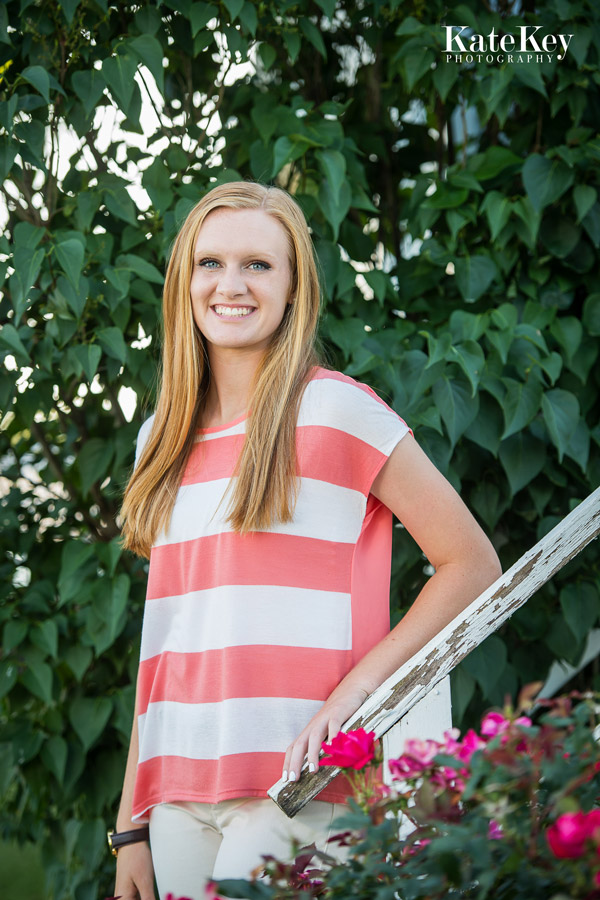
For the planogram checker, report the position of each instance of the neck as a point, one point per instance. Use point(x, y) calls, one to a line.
point(231, 378)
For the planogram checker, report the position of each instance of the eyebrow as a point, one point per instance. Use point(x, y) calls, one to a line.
point(253, 255)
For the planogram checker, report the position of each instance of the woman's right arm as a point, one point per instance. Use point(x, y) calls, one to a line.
point(135, 874)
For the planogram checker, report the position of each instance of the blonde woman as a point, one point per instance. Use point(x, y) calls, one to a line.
point(263, 496)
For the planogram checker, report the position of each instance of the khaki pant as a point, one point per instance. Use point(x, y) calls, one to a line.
point(193, 843)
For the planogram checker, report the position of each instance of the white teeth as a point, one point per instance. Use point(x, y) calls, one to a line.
point(233, 311)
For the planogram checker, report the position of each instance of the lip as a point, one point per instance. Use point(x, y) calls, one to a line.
point(233, 306)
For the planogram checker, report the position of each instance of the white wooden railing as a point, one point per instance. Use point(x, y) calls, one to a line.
point(387, 710)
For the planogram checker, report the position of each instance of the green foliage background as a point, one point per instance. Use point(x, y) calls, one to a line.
point(456, 217)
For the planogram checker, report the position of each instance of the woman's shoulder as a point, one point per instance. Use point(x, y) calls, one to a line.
point(143, 435)
point(340, 388)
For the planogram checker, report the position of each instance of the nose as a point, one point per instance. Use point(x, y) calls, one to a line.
point(231, 282)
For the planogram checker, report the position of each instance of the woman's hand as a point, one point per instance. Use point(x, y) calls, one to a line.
point(135, 873)
point(340, 705)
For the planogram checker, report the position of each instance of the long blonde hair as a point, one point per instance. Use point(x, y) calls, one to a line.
point(266, 485)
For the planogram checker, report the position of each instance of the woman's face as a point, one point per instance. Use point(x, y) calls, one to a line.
point(241, 280)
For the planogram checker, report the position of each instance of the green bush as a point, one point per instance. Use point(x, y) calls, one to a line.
point(507, 813)
point(455, 213)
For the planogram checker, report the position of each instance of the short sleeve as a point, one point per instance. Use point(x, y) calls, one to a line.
point(142, 437)
point(359, 428)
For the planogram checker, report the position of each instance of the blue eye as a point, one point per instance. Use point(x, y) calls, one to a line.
point(208, 263)
point(263, 266)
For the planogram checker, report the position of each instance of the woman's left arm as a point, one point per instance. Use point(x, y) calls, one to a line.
point(465, 564)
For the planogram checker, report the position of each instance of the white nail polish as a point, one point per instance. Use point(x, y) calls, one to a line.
point(292, 776)
point(284, 776)
point(311, 767)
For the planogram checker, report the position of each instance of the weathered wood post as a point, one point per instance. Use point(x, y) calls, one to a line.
point(413, 681)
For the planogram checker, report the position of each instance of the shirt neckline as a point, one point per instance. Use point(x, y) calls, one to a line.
point(223, 427)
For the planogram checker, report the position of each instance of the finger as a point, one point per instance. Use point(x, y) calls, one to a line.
point(314, 748)
point(334, 726)
point(297, 758)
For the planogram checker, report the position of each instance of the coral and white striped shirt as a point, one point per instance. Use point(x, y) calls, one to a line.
point(245, 636)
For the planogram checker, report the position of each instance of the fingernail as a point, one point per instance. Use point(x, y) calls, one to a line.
point(284, 776)
point(311, 767)
point(292, 776)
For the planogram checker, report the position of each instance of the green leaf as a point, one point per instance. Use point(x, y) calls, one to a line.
point(578, 447)
point(333, 166)
point(150, 53)
point(335, 212)
point(486, 663)
point(474, 274)
point(492, 161)
point(27, 262)
point(378, 281)
point(568, 332)
point(486, 428)
point(89, 88)
point(591, 314)
point(293, 42)
point(559, 235)
point(471, 360)
point(249, 17)
point(285, 151)
point(88, 356)
point(267, 54)
point(78, 659)
point(438, 348)
point(112, 342)
point(54, 756)
point(456, 405)
point(200, 15)
point(561, 415)
point(444, 78)
point(233, 7)
point(348, 333)
point(119, 203)
point(89, 717)
point(141, 267)
point(505, 317)
point(75, 554)
point(8, 152)
point(8, 677)
point(312, 33)
point(580, 604)
point(496, 206)
point(14, 633)
point(522, 457)
point(530, 74)
point(328, 7)
point(119, 74)
point(94, 461)
point(45, 636)
point(584, 196)
point(38, 680)
point(545, 180)
point(156, 180)
point(265, 121)
point(521, 403)
point(70, 255)
point(39, 78)
point(9, 336)
point(69, 7)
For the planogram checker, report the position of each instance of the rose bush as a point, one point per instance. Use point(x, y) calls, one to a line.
point(508, 811)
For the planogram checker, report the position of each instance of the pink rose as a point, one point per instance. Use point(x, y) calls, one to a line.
point(493, 724)
point(469, 744)
point(568, 834)
point(349, 751)
point(494, 831)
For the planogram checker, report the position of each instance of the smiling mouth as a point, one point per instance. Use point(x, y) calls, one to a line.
point(233, 312)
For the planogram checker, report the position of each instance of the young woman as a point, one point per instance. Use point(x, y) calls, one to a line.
point(262, 494)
